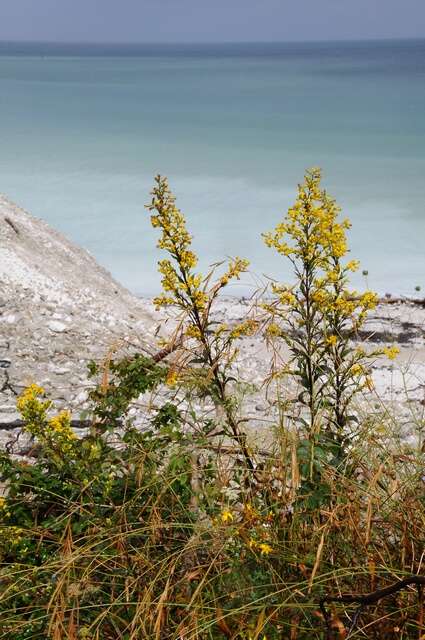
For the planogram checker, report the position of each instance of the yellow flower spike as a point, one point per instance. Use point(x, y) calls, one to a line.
point(325, 313)
point(177, 281)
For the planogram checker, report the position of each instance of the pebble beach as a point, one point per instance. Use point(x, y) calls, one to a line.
point(59, 309)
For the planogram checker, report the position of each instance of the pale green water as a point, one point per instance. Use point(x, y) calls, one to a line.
point(84, 130)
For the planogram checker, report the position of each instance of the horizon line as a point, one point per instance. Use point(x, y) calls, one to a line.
point(212, 42)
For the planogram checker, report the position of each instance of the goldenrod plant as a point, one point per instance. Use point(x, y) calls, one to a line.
point(318, 316)
point(211, 347)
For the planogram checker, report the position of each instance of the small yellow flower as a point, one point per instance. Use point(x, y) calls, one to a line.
point(391, 352)
point(172, 378)
point(226, 516)
point(234, 270)
point(368, 300)
point(246, 328)
point(265, 548)
point(352, 265)
point(357, 370)
point(332, 340)
point(273, 330)
point(193, 332)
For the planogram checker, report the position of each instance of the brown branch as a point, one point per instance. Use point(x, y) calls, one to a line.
point(368, 599)
point(166, 351)
point(375, 596)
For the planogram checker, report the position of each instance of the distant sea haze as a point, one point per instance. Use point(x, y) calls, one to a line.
point(84, 129)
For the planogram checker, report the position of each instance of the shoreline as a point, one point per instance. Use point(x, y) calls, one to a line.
point(59, 309)
point(62, 368)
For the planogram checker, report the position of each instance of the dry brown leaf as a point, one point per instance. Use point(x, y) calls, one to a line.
point(222, 624)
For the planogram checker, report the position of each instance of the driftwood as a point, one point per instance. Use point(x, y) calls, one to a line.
point(420, 302)
point(18, 424)
point(366, 600)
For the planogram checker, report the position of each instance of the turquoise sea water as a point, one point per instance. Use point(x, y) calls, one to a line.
point(84, 129)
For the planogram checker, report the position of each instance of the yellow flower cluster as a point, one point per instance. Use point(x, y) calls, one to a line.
point(60, 431)
point(368, 300)
point(352, 265)
point(263, 547)
point(311, 231)
point(344, 306)
point(193, 331)
point(170, 220)
point(357, 369)
point(226, 516)
point(391, 352)
point(4, 511)
point(56, 431)
point(284, 295)
point(321, 297)
point(32, 409)
point(273, 330)
point(234, 270)
point(246, 328)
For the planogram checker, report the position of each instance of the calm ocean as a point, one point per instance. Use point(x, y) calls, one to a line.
point(83, 130)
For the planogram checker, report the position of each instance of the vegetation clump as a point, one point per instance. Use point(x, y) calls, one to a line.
point(185, 529)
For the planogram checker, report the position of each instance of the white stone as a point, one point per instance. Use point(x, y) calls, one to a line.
point(61, 371)
point(81, 397)
point(56, 326)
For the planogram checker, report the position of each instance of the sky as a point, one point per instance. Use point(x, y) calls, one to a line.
point(209, 20)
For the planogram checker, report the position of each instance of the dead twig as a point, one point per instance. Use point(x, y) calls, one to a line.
point(365, 600)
